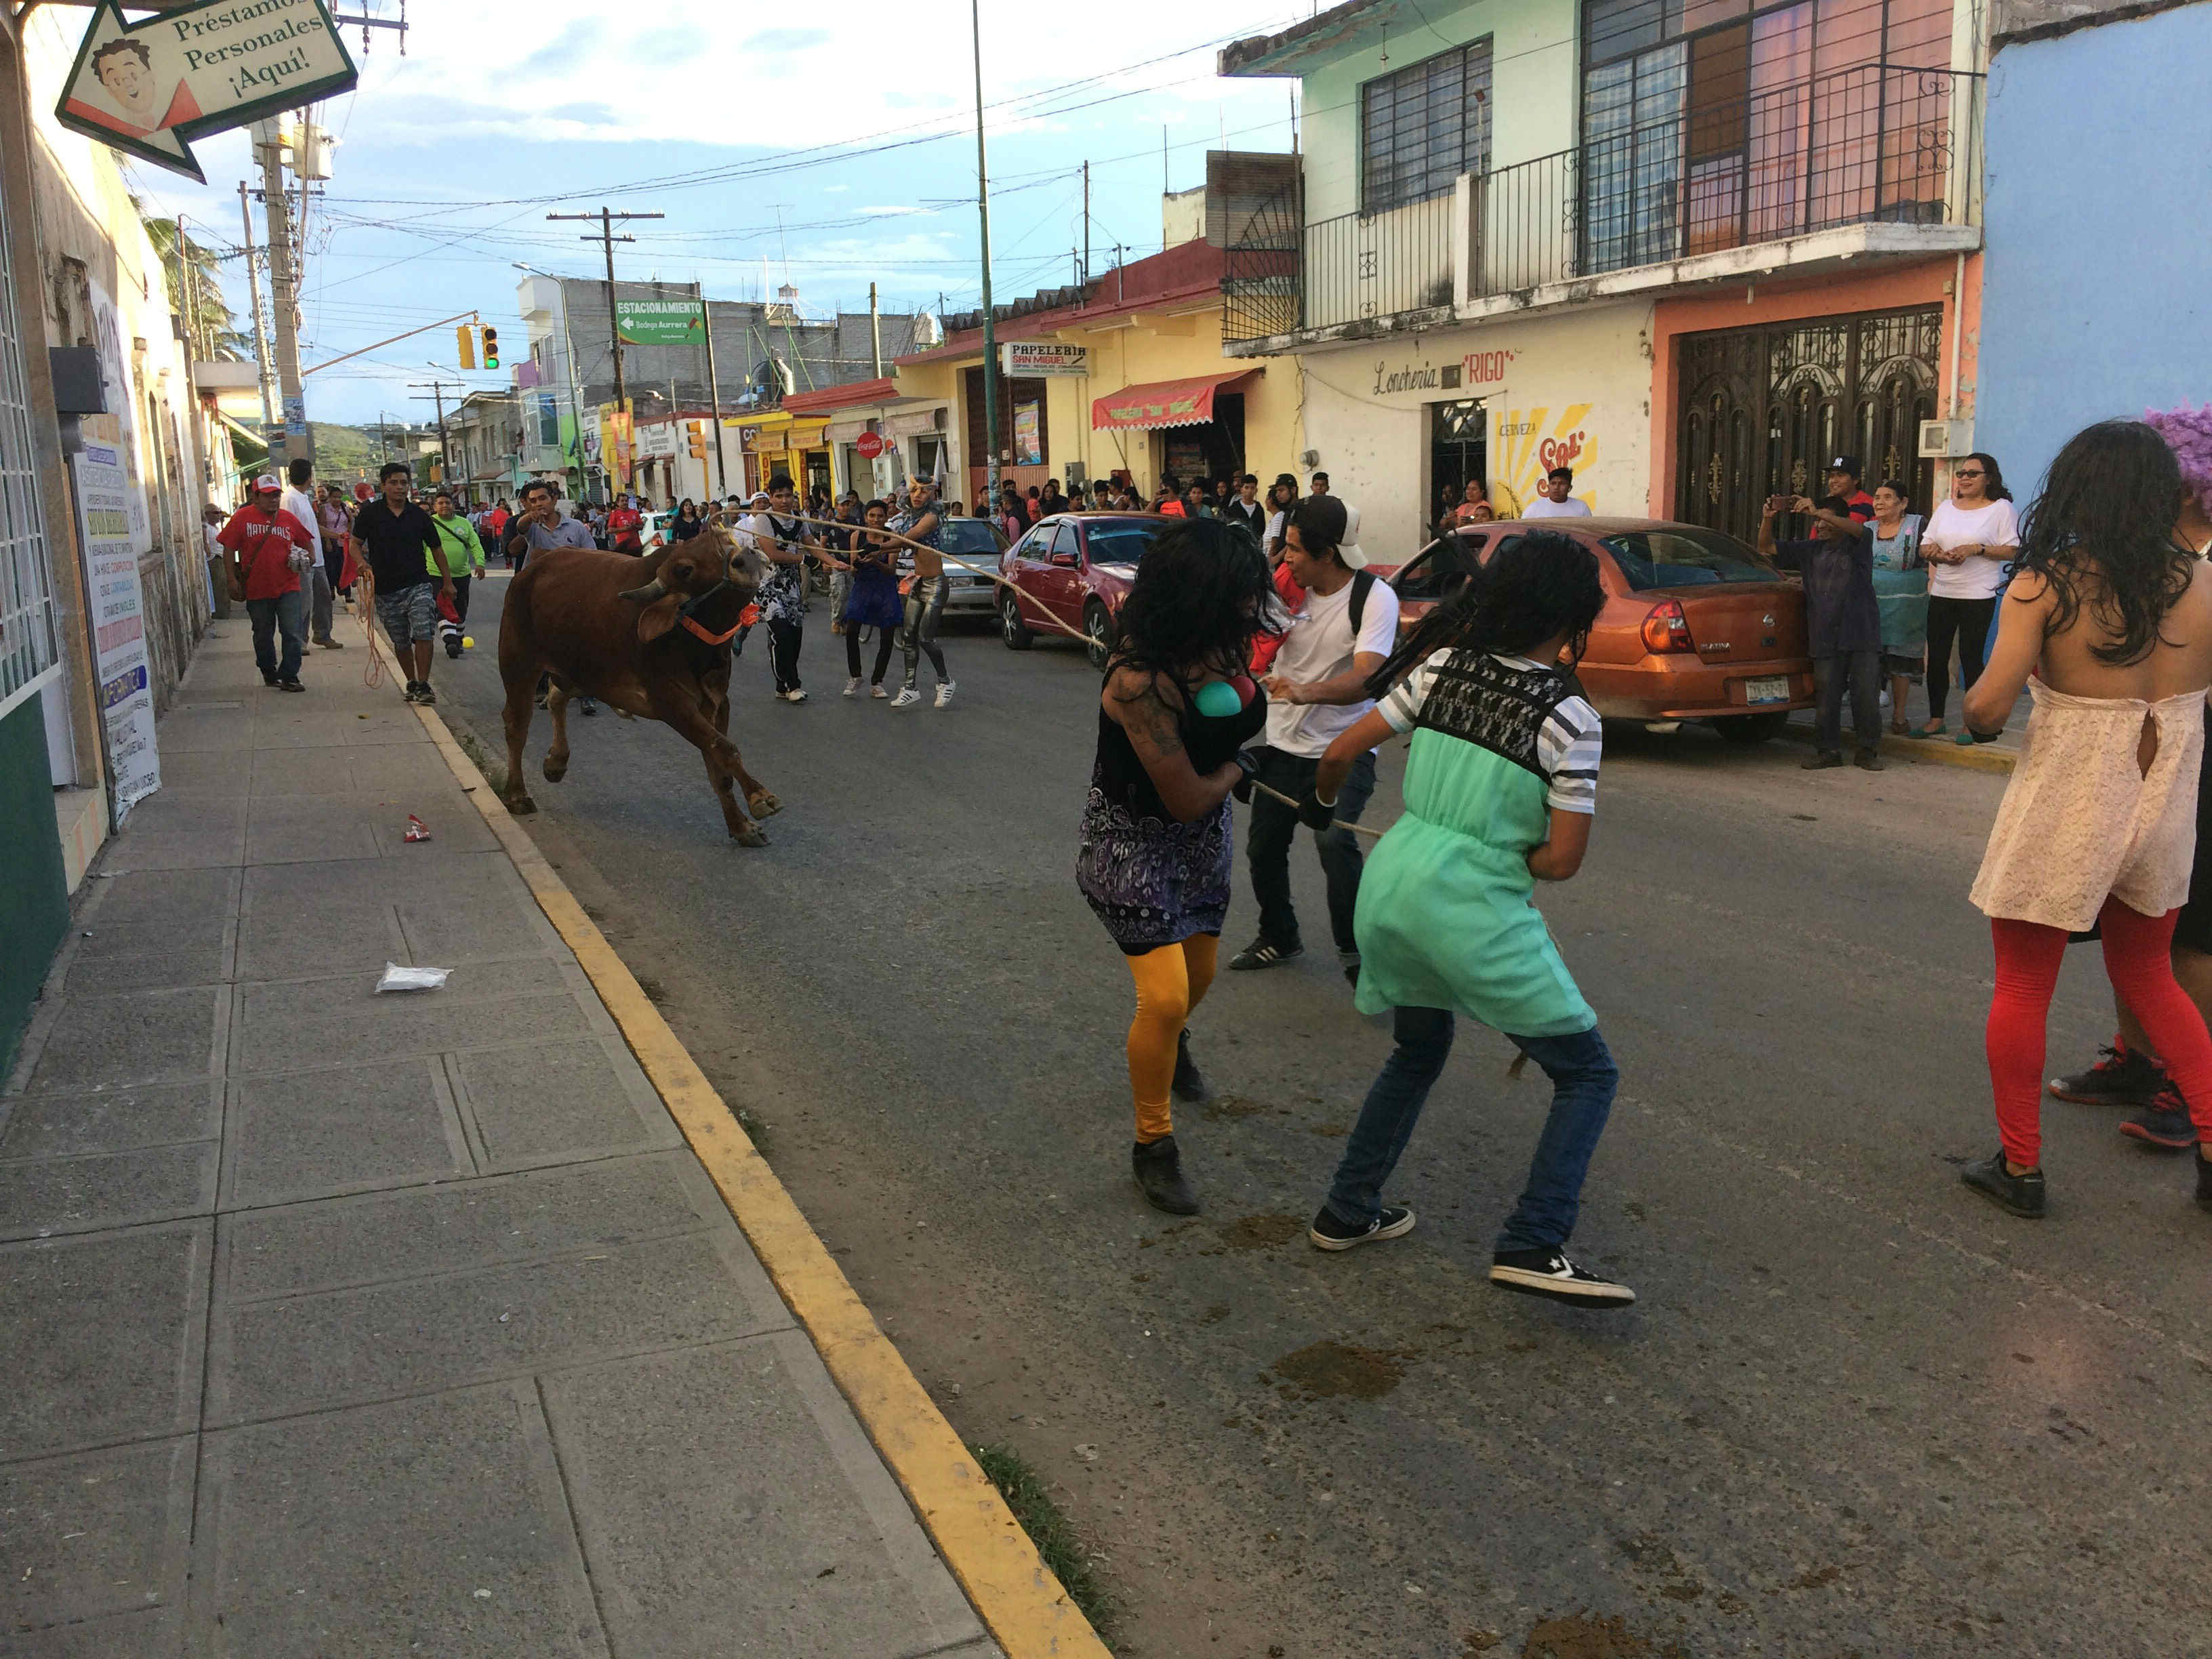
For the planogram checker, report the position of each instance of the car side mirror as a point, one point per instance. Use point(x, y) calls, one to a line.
point(1064, 561)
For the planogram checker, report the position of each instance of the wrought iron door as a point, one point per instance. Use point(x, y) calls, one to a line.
point(1762, 410)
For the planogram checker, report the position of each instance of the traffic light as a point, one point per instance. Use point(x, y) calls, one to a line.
point(490, 346)
point(698, 431)
point(466, 338)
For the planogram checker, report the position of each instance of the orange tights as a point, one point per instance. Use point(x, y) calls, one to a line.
point(1171, 982)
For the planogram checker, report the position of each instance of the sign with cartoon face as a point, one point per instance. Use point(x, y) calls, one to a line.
point(146, 88)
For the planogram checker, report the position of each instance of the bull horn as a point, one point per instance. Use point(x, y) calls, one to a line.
point(645, 595)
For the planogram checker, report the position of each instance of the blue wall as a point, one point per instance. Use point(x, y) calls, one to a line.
point(2097, 283)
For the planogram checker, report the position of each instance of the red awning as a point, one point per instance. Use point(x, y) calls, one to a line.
point(1166, 402)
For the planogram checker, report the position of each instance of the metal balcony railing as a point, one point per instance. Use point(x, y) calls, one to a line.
point(1873, 144)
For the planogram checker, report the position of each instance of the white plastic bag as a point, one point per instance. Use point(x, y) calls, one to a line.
point(396, 978)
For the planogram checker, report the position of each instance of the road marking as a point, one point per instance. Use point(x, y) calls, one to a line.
point(1024, 1607)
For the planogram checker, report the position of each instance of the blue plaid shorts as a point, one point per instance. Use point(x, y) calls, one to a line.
point(411, 616)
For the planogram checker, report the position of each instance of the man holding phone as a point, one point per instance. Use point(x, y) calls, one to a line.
point(1843, 622)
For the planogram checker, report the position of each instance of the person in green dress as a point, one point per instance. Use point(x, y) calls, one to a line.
point(1500, 788)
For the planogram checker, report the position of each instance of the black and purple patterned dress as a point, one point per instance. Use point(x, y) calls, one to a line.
point(1154, 881)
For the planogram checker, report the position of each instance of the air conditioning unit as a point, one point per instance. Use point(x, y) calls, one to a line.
point(1943, 441)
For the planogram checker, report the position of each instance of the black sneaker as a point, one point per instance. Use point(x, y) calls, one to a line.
point(2121, 1077)
point(290, 685)
point(1349, 961)
point(1868, 761)
point(1159, 1169)
point(1820, 760)
point(1189, 1086)
point(269, 677)
point(1264, 952)
point(2203, 1181)
point(1328, 1233)
point(413, 693)
point(2023, 1195)
point(423, 693)
point(454, 644)
point(1549, 1273)
point(2165, 1122)
point(586, 707)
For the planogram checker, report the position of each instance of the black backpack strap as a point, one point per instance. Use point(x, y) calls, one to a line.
point(1363, 584)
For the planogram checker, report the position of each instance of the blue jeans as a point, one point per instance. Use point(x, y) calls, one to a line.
point(285, 615)
point(1583, 1080)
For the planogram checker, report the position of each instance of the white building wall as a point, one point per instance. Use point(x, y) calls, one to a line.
point(1572, 390)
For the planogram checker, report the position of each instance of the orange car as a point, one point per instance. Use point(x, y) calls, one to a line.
point(1694, 626)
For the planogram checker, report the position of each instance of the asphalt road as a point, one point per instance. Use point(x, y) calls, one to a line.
point(1856, 1411)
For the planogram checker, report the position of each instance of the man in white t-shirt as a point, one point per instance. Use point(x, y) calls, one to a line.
point(1342, 633)
point(315, 583)
point(1558, 499)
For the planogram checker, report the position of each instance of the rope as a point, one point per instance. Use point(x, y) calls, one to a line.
point(364, 587)
point(1072, 633)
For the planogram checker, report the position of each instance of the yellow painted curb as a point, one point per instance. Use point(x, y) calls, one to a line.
point(1021, 1603)
point(1933, 751)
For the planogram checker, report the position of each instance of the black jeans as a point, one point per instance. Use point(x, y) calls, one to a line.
point(285, 615)
point(1863, 669)
point(1274, 826)
point(1968, 621)
point(886, 641)
point(783, 640)
point(461, 598)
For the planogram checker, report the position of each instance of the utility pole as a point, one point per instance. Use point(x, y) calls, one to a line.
point(437, 391)
point(1086, 223)
point(606, 238)
point(713, 392)
point(283, 289)
point(990, 326)
point(876, 331)
point(261, 355)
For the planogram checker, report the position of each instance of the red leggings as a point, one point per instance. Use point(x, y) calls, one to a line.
point(2138, 956)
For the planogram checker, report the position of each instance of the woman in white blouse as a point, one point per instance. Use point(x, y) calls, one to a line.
point(1969, 541)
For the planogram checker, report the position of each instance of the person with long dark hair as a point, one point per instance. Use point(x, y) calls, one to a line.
point(1154, 860)
point(686, 523)
point(2111, 613)
point(1968, 541)
point(873, 599)
point(1501, 785)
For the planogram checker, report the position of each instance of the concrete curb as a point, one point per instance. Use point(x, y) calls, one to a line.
point(1020, 1602)
point(1929, 751)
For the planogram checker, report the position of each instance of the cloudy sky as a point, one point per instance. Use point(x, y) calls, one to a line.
point(833, 147)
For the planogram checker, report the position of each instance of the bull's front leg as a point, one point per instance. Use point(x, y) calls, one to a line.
point(684, 716)
point(516, 718)
point(556, 758)
point(763, 804)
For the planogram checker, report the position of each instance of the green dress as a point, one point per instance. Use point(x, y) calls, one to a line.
point(1446, 916)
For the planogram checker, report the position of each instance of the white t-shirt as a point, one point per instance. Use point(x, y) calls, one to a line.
point(301, 506)
point(1319, 646)
point(1952, 526)
point(1545, 508)
point(1568, 744)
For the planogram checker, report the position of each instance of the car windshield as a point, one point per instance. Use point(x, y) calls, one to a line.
point(1679, 555)
point(1119, 543)
point(970, 535)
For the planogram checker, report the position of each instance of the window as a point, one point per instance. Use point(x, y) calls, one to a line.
point(28, 643)
point(1438, 573)
point(1683, 558)
point(1422, 127)
point(1063, 543)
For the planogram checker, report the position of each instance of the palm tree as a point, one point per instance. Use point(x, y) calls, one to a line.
point(213, 330)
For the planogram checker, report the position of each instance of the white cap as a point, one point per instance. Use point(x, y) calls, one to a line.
point(268, 481)
point(1354, 557)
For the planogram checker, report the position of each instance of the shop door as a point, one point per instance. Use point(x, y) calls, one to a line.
point(1457, 455)
point(1762, 410)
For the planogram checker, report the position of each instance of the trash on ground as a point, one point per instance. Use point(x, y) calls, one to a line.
point(396, 978)
point(416, 829)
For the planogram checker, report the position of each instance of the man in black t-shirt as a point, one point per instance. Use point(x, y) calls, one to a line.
point(391, 536)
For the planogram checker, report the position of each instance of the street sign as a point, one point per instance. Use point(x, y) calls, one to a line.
point(146, 88)
point(659, 322)
point(869, 444)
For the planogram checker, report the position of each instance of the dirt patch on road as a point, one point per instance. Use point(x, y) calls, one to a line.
point(1260, 1232)
point(1329, 1370)
point(1222, 1106)
point(1578, 1635)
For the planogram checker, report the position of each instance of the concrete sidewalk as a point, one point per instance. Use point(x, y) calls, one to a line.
point(339, 1323)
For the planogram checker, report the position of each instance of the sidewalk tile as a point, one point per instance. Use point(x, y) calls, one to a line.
point(182, 897)
point(145, 1036)
point(381, 1340)
point(93, 1535)
point(110, 1120)
point(719, 1518)
point(314, 1134)
point(411, 1023)
point(175, 834)
point(432, 1526)
point(208, 729)
point(413, 1232)
point(564, 1099)
point(48, 1197)
point(144, 956)
point(307, 828)
point(191, 776)
point(300, 772)
point(451, 932)
point(104, 1337)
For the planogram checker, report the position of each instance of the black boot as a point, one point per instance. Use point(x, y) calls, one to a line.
point(1189, 1086)
point(1159, 1169)
point(2203, 1179)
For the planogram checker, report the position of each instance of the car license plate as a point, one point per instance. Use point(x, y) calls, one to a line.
point(1770, 690)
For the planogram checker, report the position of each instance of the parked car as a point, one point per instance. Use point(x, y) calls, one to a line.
point(982, 544)
point(1694, 626)
point(1077, 568)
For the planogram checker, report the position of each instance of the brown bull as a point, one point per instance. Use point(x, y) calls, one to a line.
point(645, 637)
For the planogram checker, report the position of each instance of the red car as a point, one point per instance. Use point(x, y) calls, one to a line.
point(1077, 568)
point(1694, 626)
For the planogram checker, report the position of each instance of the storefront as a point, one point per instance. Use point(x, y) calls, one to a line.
point(919, 445)
point(1396, 422)
point(1199, 423)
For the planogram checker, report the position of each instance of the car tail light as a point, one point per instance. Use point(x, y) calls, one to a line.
point(1667, 628)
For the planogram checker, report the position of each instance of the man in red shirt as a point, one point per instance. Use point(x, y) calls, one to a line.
point(269, 548)
point(1843, 480)
point(624, 531)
